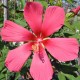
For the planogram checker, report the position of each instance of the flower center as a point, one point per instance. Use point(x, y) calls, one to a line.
point(38, 46)
point(39, 40)
point(35, 47)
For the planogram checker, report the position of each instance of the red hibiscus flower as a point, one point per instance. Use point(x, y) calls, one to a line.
point(63, 49)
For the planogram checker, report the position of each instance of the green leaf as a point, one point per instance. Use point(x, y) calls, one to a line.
point(1, 45)
point(4, 51)
point(67, 24)
point(51, 2)
point(69, 15)
point(76, 25)
point(4, 70)
point(75, 36)
point(61, 76)
point(70, 1)
point(70, 77)
point(1, 65)
point(66, 68)
point(44, 3)
point(59, 3)
point(22, 3)
point(78, 78)
point(2, 76)
point(21, 22)
point(17, 76)
point(1, 25)
point(28, 62)
point(0, 4)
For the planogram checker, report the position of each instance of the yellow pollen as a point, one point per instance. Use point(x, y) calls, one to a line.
point(35, 47)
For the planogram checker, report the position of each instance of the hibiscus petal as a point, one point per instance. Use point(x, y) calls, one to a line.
point(17, 57)
point(63, 49)
point(14, 32)
point(53, 20)
point(41, 68)
point(33, 15)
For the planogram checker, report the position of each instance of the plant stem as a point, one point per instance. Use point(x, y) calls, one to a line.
point(5, 10)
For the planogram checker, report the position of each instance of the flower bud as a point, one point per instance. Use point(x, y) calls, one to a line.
point(75, 10)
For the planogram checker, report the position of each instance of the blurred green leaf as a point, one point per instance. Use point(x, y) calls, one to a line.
point(59, 3)
point(76, 25)
point(69, 16)
point(17, 76)
point(1, 4)
point(67, 24)
point(1, 64)
point(28, 62)
point(1, 45)
point(21, 22)
point(1, 25)
point(44, 3)
point(70, 1)
point(4, 51)
point(22, 3)
point(78, 78)
point(66, 68)
point(2, 77)
point(70, 77)
point(61, 76)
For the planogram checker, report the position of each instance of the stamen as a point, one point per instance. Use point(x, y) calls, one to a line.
point(46, 38)
point(35, 47)
point(42, 45)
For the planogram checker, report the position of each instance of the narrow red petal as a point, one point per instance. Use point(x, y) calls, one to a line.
point(17, 57)
point(14, 32)
point(33, 15)
point(63, 49)
point(53, 20)
point(41, 68)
